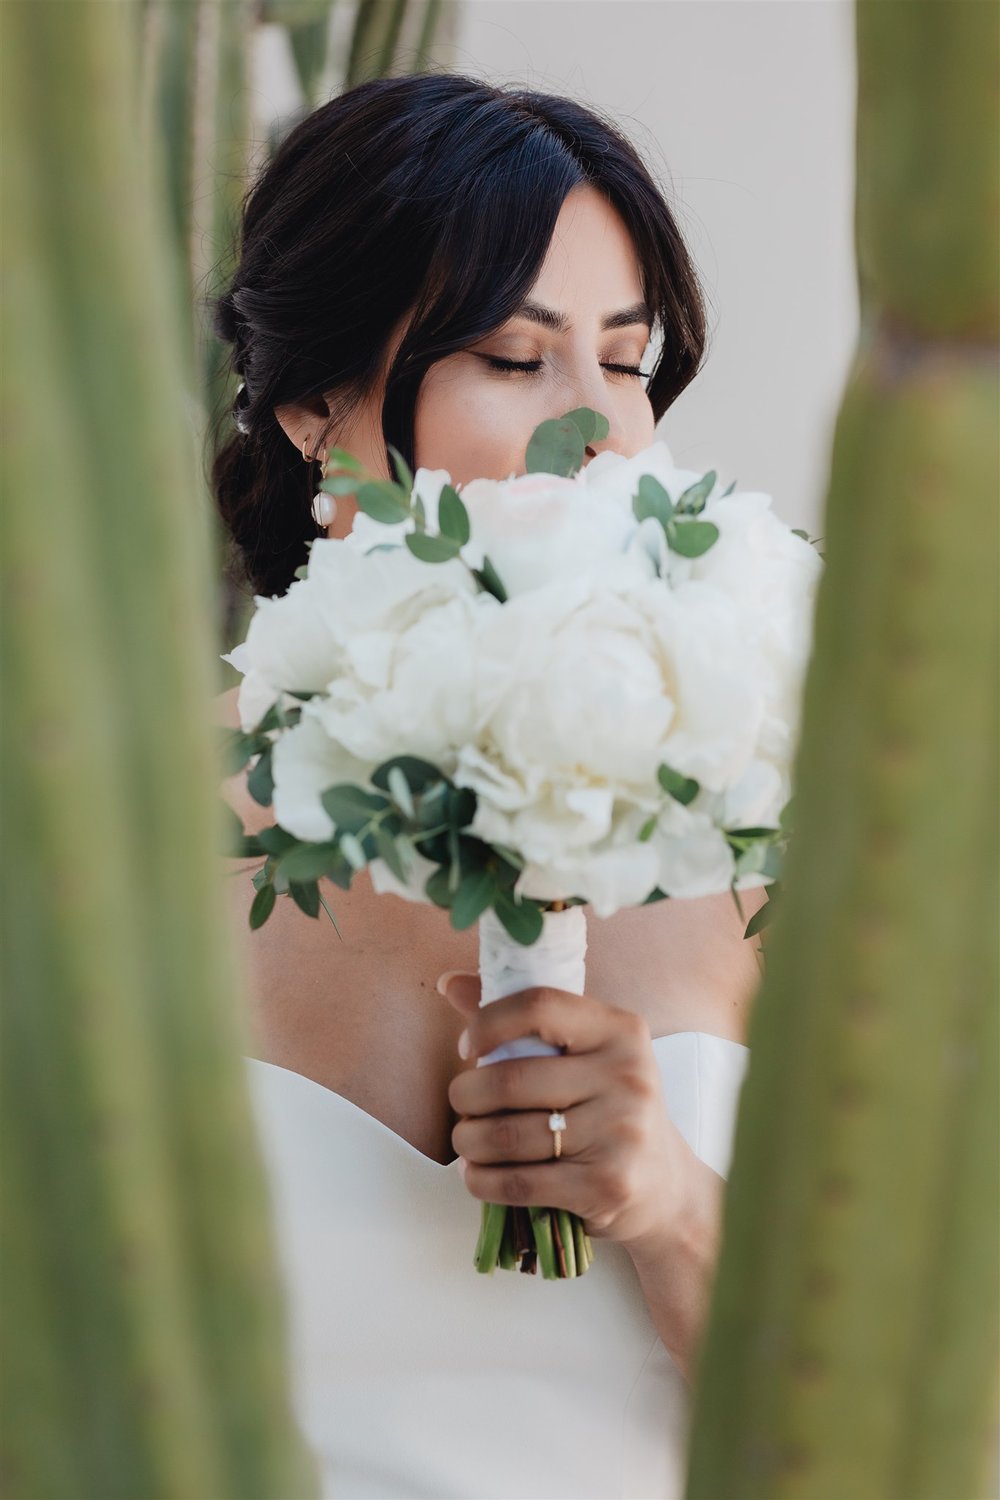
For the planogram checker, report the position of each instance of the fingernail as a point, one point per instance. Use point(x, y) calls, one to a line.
point(443, 980)
point(463, 1044)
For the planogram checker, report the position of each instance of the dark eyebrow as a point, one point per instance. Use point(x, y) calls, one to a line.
point(558, 322)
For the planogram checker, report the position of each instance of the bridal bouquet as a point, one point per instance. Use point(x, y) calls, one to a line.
point(576, 686)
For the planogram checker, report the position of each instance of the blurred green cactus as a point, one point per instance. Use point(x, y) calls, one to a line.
point(851, 1345)
point(144, 1336)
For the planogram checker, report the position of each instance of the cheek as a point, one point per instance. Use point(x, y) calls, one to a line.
point(471, 425)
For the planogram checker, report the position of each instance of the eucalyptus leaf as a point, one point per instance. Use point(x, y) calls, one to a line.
point(436, 888)
point(403, 471)
point(310, 861)
point(729, 491)
point(382, 502)
point(683, 789)
point(691, 538)
point(419, 773)
point(306, 896)
point(655, 895)
point(489, 579)
point(339, 458)
point(694, 497)
point(555, 447)
point(276, 839)
point(339, 484)
point(647, 830)
point(260, 782)
point(523, 920)
point(432, 549)
point(263, 905)
point(353, 852)
point(399, 787)
point(475, 893)
point(651, 499)
point(591, 424)
point(350, 807)
point(453, 518)
point(304, 694)
point(386, 849)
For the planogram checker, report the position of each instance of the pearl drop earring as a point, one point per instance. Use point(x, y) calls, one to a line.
point(324, 505)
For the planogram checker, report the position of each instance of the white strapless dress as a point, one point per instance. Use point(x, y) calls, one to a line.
point(413, 1375)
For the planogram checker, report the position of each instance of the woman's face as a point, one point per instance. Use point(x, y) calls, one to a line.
point(474, 414)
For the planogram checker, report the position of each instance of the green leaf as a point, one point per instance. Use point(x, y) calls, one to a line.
point(655, 895)
point(403, 472)
point(592, 424)
point(763, 915)
point(236, 749)
point(647, 830)
point(653, 500)
point(353, 851)
point(691, 538)
point(303, 695)
point(453, 518)
point(522, 919)
point(750, 835)
point(399, 789)
point(350, 807)
point(555, 447)
point(339, 484)
point(324, 904)
point(385, 847)
point(730, 490)
point(381, 500)
point(339, 458)
point(247, 848)
point(260, 783)
point(474, 895)
point(431, 549)
point(306, 896)
point(263, 905)
point(276, 840)
point(436, 888)
point(460, 806)
point(683, 789)
point(510, 855)
point(419, 514)
point(489, 579)
point(419, 773)
point(310, 861)
point(694, 497)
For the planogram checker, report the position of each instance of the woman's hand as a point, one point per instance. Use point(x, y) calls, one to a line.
point(624, 1167)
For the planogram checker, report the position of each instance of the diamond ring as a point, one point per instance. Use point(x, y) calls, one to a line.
point(557, 1124)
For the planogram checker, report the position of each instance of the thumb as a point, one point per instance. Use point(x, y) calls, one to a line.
point(460, 989)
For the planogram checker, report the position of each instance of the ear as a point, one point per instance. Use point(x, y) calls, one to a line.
point(462, 990)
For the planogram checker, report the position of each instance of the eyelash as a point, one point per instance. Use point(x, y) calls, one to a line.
point(531, 367)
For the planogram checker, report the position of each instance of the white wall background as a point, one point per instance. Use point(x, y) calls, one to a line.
point(744, 110)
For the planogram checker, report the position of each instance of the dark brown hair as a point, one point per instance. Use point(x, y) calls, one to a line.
point(434, 194)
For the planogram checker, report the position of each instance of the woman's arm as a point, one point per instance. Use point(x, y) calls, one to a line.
point(676, 1268)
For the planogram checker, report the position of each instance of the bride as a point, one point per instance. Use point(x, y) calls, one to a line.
point(441, 264)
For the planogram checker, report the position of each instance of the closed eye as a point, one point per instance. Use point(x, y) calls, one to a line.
point(532, 366)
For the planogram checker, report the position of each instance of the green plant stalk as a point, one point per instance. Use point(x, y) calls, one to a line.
point(850, 1347)
point(143, 1330)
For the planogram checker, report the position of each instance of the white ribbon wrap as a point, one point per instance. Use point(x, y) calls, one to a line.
point(557, 959)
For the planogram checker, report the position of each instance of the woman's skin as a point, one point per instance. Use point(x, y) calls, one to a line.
point(363, 1017)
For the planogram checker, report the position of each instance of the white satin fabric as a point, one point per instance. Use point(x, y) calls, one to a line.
point(415, 1376)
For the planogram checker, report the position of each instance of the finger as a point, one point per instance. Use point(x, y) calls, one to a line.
point(527, 1083)
point(462, 990)
point(556, 1184)
point(524, 1136)
point(578, 1023)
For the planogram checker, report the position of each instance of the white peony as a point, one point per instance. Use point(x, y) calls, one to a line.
point(612, 655)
